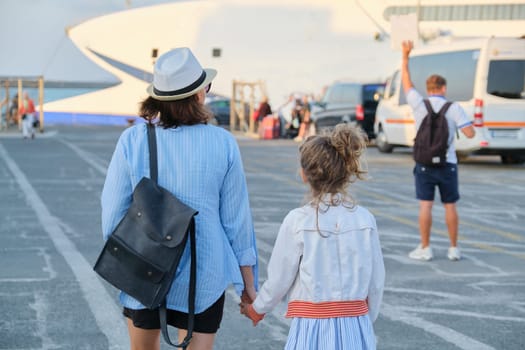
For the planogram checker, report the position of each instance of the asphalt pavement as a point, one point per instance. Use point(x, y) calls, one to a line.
point(50, 237)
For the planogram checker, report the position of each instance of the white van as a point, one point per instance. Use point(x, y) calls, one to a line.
point(485, 76)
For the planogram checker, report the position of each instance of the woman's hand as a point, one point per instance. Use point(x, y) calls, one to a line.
point(248, 295)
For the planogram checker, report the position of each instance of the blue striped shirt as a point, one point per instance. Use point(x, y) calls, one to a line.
point(201, 165)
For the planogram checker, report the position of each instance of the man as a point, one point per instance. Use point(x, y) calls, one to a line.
point(427, 178)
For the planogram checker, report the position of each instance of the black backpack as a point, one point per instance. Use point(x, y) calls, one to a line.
point(431, 142)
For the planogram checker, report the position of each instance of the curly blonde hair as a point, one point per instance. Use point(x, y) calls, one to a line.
point(332, 162)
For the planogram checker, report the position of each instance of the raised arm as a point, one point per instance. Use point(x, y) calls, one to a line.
point(406, 47)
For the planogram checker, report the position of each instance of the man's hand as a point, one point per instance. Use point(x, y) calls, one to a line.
point(407, 47)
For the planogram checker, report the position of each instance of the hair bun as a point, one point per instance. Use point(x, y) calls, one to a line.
point(349, 141)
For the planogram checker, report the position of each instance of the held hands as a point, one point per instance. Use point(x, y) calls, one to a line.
point(248, 311)
point(247, 297)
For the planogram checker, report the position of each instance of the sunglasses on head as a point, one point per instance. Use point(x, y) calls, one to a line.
point(207, 88)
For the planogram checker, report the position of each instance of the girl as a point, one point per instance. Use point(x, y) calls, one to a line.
point(327, 256)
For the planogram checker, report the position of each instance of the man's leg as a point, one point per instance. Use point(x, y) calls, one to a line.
point(451, 218)
point(425, 187)
point(425, 222)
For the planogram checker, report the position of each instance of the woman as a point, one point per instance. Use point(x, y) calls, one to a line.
point(201, 165)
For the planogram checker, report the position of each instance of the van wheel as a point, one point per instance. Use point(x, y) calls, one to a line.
point(382, 143)
point(512, 159)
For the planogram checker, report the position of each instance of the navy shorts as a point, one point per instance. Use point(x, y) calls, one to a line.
point(445, 178)
point(207, 321)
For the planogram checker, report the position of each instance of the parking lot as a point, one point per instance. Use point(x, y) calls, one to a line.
point(50, 237)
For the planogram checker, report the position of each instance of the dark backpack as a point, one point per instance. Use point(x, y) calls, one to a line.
point(431, 142)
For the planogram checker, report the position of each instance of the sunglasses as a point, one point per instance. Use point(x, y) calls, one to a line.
point(207, 88)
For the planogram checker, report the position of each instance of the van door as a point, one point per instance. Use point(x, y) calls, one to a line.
point(395, 121)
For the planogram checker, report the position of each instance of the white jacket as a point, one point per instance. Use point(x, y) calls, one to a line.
point(342, 262)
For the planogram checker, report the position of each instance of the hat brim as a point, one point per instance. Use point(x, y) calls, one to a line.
point(210, 75)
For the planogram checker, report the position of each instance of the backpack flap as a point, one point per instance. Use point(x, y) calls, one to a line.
point(159, 214)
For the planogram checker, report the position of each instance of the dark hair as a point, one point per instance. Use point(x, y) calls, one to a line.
point(188, 111)
point(332, 162)
point(435, 82)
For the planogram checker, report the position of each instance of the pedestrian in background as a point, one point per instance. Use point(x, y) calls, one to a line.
point(304, 128)
point(428, 178)
point(262, 111)
point(26, 111)
point(327, 257)
point(201, 165)
point(13, 111)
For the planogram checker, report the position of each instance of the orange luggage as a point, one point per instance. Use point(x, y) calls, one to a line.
point(269, 127)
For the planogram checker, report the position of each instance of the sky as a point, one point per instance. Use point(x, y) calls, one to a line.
point(33, 34)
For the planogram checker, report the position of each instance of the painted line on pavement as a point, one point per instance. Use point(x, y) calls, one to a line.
point(458, 339)
point(107, 315)
point(86, 156)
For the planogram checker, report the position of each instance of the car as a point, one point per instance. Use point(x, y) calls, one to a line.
point(348, 102)
point(220, 107)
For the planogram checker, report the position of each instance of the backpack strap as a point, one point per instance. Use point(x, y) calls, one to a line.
point(445, 108)
point(152, 144)
point(191, 297)
point(428, 106)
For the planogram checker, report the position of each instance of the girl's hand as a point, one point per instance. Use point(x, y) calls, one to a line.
point(248, 311)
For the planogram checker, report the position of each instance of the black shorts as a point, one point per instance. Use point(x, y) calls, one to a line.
point(207, 321)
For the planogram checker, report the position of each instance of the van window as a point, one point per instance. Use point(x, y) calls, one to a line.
point(458, 68)
point(507, 78)
point(392, 88)
point(396, 83)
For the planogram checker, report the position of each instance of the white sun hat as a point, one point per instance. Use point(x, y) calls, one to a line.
point(177, 74)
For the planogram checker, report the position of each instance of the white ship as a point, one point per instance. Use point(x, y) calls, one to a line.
point(295, 45)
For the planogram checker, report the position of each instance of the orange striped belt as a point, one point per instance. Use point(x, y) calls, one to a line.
point(327, 309)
